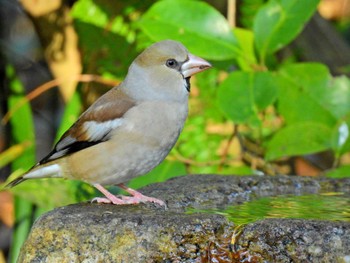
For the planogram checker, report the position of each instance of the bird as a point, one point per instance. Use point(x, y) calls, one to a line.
point(130, 129)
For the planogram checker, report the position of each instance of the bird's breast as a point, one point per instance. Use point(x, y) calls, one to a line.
point(159, 123)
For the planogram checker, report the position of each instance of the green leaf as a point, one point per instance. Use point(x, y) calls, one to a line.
point(105, 51)
point(301, 94)
point(340, 172)
point(265, 89)
point(341, 138)
point(309, 75)
point(105, 36)
point(161, 173)
point(298, 139)
point(279, 22)
point(235, 98)
point(22, 132)
point(89, 12)
point(240, 170)
point(333, 94)
point(242, 95)
point(247, 10)
point(200, 27)
point(22, 125)
point(13, 153)
point(247, 59)
point(23, 213)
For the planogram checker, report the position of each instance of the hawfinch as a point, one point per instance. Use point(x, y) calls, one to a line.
point(130, 129)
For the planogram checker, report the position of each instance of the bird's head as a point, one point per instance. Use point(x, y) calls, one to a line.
point(163, 70)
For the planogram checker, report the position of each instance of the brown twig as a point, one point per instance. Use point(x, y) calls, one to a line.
point(226, 149)
point(231, 12)
point(185, 160)
point(51, 84)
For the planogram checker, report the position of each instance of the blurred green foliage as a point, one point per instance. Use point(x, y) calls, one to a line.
point(286, 108)
point(23, 131)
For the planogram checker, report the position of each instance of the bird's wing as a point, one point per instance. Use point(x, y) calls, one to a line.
point(93, 127)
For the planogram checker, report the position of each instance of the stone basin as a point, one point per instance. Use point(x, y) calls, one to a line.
point(89, 232)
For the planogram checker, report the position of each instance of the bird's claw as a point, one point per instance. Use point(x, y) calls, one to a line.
point(127, 200)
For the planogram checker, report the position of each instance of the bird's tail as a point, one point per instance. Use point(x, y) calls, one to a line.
point(15, 182)
point(52, 170)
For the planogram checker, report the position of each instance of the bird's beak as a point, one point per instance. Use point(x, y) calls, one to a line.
point(194, 65)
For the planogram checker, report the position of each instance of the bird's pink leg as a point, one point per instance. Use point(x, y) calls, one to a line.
point(137, 197)
point(110, 197)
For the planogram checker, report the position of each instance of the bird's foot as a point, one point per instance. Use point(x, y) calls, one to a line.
point(109, 200)
point(140, 198)
point(136, 197)
point(127, 200)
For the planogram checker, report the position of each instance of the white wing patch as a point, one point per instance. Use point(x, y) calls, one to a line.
point(65, 142)
point(53, 170)
point(58, 154)
point(96, 131)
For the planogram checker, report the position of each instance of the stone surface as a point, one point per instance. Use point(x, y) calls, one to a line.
point(214, 191)
point(107, 233)
point(294, 240)
point(149, 233)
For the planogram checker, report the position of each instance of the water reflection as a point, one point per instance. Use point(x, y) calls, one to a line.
point(327, 206)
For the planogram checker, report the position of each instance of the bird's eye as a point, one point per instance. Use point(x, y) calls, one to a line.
point(171, 63)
